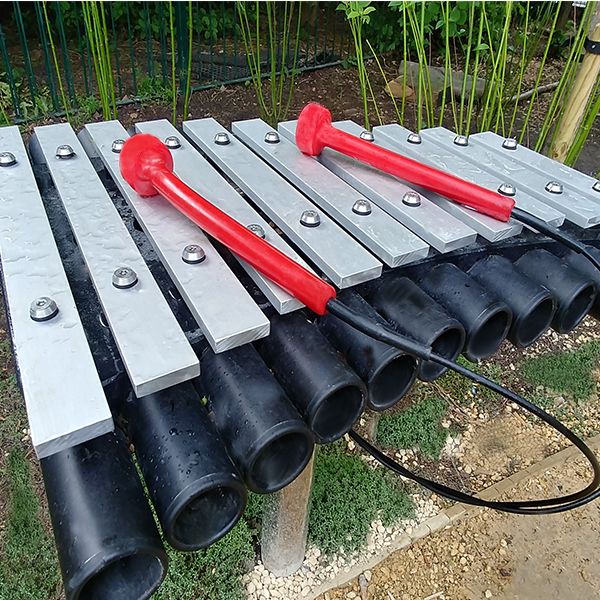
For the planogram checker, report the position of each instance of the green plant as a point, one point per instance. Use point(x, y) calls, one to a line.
point(347, 496)
point(153, 88)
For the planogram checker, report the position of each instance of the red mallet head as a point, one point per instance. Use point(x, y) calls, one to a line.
point(313, 121)
point(142, 155)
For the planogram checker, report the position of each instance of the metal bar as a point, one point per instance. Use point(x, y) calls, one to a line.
point(340, 257)
point(155, 351)
point(395, 138)
point(576, 209)
point(575, 180)
point(439, 229)
point(377, 230)
point(205, 286)
point(65, 405)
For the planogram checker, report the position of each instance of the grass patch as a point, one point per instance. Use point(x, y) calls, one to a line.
point(566, 373)
point(28, 563)
point(347, 496)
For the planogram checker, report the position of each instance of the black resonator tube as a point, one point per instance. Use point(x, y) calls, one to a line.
point(532, 304)
point(388, 372)
point(327, 393)
point(265, 435)
point(195, 488)
point(573, 290)
point(486, 319)
point(415, 314)
point(583, 265)
point(107, 541)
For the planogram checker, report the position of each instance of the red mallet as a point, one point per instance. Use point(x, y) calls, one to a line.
point(315, 132)
point(147, 165)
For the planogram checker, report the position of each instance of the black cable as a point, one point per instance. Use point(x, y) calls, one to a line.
point(538, 507)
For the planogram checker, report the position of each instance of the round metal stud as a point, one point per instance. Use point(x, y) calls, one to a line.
point(117, 146)
point(7, 159)
point(222, 138)
point(411, 199)
point(257, 229)
point(43, 309)
point(362, 207)
point(461, 140)
point(172, 142)
point(124, 277)
point(272, 137)
point(510, 144)
point(64, 152)
point(414, 138)
point(507, 189)
point(554, 187)
point(596, 186)
point(367, 136)
point(193, 254)
point(310, 218)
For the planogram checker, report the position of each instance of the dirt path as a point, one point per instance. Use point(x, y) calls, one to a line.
point(493, 555)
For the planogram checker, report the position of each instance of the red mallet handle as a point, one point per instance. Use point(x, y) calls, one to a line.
point(315, 132)
point(147, 165)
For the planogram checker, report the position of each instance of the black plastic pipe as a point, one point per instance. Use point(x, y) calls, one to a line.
point(388, 372)
point(263, 431)
point(583, 265)
point(486, 319)
point(325, 390)
point(107, 541)
point(194, 486)
point(415, 314)
point(573, 290)
point(532, 304)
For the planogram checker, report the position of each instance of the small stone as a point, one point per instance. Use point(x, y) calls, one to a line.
point(251, 588)
point(305, 591)
point(368, 575)
point(488, 593)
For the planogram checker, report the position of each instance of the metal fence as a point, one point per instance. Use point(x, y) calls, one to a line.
point(47, 58)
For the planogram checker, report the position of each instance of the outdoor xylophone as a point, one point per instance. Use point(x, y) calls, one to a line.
point(124, 314)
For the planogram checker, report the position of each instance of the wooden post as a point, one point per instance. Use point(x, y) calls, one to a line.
point(579, 96)
point(285, 525)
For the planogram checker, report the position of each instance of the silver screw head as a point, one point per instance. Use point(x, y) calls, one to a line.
point(554, 187)
point(411, 199)
point(172, 142)
point(117, 146)
point(414, 138)
point(7, 159)
point(257, 229)
point(310, 218)
point(65, 152)
point(362, 207)
point(507, 189)
point(461, 140)
point(193, 254)
point(124, 277)
point(510, 144)
point(596, 186)
point(222, 138)
point(367, 136)
point(43, 309)
point(272, 137)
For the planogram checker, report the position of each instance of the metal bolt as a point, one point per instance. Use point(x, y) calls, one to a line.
point(172, 142)
point(414, 138)
point(43, 309)
point(7, 159)
point(362, 207)
point(124, 277)
point(272, 137)
point(117, 146)
point(507, 189)
point(222, 138)
point(596, 186)
point(193, 254)
point(411, 199)
point(554, 187)
point(510, 144)
point(310, 218)
point(64, 152)
point(257, 230)
point(367, 136)
point(461, 140)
